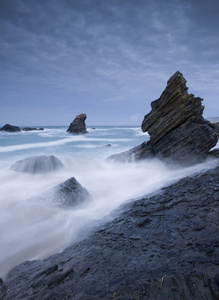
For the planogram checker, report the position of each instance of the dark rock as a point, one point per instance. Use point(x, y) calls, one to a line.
point(10, 128)
point(214, 153)
point(108, 145)
point(217, 128)
point(160, 247)
point(38, 164)
point(31, 129)
point(137, 153)
point(69, 193)
point(78, 125)
point(178, 132)
point(41, 128)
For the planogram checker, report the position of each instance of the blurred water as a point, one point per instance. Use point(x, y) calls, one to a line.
point(34, 230)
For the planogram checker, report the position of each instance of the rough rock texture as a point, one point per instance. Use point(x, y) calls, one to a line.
point(78, 125)
point(38, 164)
point(178, 132)
point(161, 247)
point(69, 193)
point(10, 128)
point(217, 128)
point(176, 126)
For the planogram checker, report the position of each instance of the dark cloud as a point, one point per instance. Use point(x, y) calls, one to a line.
point(85, 52)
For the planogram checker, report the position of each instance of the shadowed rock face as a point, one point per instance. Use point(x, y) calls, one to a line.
point(10, 128)
point(78, 125)
point(69, 193)
point(161, 247)
point(38, 164)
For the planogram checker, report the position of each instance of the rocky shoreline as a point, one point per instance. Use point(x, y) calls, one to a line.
point(165, 246)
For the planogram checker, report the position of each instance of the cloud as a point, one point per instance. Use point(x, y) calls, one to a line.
point(92, 50)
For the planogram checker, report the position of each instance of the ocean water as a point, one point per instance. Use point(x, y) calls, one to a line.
point(31, 229)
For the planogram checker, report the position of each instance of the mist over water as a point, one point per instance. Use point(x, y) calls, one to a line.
point(32, 229)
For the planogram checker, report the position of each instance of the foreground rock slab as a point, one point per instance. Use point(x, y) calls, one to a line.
point(161, 247)
point(78, 125)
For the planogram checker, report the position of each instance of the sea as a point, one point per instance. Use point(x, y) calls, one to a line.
point(31, 229)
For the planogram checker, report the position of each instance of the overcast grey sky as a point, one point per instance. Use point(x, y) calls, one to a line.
point(106, 58)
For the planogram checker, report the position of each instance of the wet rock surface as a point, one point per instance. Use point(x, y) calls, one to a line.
point(178, 132)
point(37, 164)
point(69, 193)
point(78, 125)
point(165, 246)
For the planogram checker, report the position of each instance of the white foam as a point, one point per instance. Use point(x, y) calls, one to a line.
point(32, 230)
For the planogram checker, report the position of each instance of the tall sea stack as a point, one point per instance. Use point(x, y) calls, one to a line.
point(78, 125)
point(178, 132)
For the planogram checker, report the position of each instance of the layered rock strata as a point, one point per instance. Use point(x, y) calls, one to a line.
point(78, 125)
point(161, 247)
point(178, 132)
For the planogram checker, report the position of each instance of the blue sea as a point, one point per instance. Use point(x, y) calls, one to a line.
point(33, 229)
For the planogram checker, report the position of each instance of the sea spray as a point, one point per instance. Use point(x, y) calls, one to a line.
point(34, 230)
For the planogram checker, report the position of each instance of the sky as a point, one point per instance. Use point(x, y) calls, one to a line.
point(106, 58)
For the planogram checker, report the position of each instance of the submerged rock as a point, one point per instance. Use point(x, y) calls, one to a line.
point(10, 128)
point(161, 247)
point(69, 193)
point(31, 129)
point(178, 132)
point(38, 164)
point(78, 125)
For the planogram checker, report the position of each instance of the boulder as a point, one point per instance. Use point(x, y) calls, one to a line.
point(78, 125)
point(69, 193)
point(178, 132)
point(38, 164)
point(10, 128)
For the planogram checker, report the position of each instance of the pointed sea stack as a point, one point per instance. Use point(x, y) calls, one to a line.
point(78, 125)
point(177, 130)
